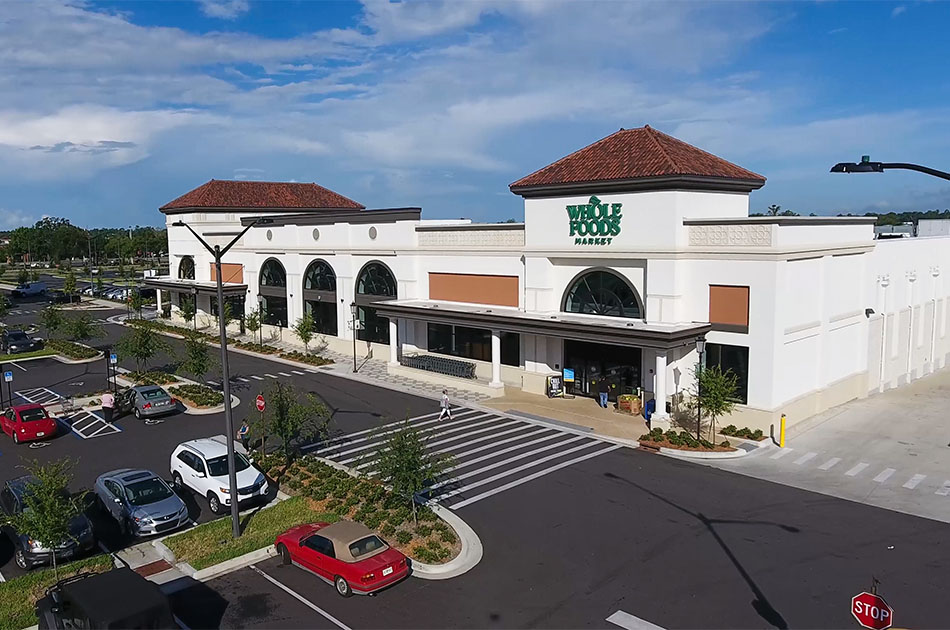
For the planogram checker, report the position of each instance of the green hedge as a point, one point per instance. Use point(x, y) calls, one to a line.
point(312, 359)
point(71, 350)
point(211, 543)
point(199, 395)
point(18, 596)
point(153, 377)
point(45, 352)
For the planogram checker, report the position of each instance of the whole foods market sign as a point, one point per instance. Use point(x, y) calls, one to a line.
point(594, 223)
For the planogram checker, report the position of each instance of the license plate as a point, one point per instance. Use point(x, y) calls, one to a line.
point(40, 433)
point(387, 570)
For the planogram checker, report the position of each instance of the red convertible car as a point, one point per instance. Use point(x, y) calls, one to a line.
point(25, 423)
point(346, 554)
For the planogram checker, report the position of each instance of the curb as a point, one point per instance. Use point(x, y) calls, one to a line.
point(60, 358)
point(680, 454)
point(469, 556)
point(195, 411)
point(227, 566)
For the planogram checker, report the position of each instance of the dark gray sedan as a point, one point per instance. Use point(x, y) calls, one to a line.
point(140, 501)
point(146, 401)
point(13, 341)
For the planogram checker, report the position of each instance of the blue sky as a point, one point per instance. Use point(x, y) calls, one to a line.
point(111, 109)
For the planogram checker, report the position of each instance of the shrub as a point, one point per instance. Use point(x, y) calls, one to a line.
point(388, 530)
point(744, 432)
point(334, 504)
point(403, 537)
point(373, 521)
point(433, 544)
point(427, 515)
point(152, 377)
point(351, 500)
point(724, 444)
point(757, 434)
point(340, 491)
point(729, 430)
point(312, 359)
point(447, 537)
point(423, 530)
point(198, 395)
point(706, 444)
point(423, 554)
point(71, 350)
point(318, 494)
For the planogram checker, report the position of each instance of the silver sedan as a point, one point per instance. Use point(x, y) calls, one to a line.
point(146, 401)
point(140, 502)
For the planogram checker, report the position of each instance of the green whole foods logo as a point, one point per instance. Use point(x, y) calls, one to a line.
point(594, 223)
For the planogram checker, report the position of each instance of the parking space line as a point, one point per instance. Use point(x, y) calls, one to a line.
point(243, 380)
point(884, 475)
point(299, 373)
point(270, 376)
point(18, 365)
point(628, 621)
point(533, 476)
point(913, 481)
point(782, 453)
point(831, 463)
point(213, 383)
point(256, 378)
point(804, 458)
point(303, 600)
point(284, 374)
point(857, 469)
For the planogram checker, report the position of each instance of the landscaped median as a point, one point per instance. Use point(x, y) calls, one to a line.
point(683, 442)
point(65, 351)
point(18, 596)
point(197, 398)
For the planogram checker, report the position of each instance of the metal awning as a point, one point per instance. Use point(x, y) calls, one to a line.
point(577, 327)
point(167, 283)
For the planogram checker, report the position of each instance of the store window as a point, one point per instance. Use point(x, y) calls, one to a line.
point(319, 295)
point(374, 283)
point(473, 343)
point(734, 359)
point(602, 292)
point(273, 292)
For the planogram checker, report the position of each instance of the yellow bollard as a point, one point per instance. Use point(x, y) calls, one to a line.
point(781, 435)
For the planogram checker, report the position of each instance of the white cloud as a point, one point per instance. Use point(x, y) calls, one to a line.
point(899, 9)
point(225, 9)
point(12, 219)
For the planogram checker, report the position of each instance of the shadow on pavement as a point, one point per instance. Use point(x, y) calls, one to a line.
point(196, 604)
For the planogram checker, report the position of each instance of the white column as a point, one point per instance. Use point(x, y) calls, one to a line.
point(158, 304)
point(660, 418)
point(496, 359)
point(393, 340)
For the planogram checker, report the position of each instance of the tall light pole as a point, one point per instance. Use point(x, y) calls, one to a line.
point(867, 166)
point(700, 348)
point(218, 252)
point(353, 315)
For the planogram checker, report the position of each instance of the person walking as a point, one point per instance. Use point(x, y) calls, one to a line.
point(603, 389)
point(444, 404)
point(108, 407)
point(243, 434)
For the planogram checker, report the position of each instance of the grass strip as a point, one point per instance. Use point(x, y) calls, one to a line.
point(18, 596)
point(45, 352)
point(211, 543)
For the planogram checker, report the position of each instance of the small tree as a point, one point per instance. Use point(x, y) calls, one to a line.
point(252, 321)
point(34, 275)
point(22, 276)
point(141, 343)
point(716, 392)
point(187, 308)
point(136, 302)
point(52, 319)
point(82, 327)
point(99, 287)
point(198, 358)
point(304, 329)
point(48, 508)
point(291, 419)
point(69, 285)
point(4, 306)
point(226, 313)
point(406, 466)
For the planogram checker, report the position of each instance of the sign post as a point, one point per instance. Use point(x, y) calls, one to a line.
point(113, 360)
point(8, 379)
point(872, 611)
point(259, 401)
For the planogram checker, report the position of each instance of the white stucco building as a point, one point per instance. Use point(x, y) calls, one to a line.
point(631, 249)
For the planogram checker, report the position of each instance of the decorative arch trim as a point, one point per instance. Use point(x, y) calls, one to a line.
point(602, 291)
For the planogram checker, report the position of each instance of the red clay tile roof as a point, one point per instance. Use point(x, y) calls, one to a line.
point(635, 154)
point(220, 193)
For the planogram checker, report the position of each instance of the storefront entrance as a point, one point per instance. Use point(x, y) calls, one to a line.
point(592, 362)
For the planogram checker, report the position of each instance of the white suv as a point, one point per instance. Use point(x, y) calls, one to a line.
point(202, 465)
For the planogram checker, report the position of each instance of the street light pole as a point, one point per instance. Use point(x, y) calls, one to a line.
point(867, 166)
point(218, 253)
point(700, 348)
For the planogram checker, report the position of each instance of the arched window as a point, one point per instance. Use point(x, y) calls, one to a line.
point(273, 291)
point(319, 296)
point(602, 292)
point(186, 268)
point(374, 283)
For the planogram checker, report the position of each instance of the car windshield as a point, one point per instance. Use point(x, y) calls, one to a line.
point(32, 415)
point(218, 466)
point(147, 491)
point(17, 336)
point(366, 546)
point(152, 394)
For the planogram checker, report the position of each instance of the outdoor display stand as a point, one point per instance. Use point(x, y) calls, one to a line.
point(567, 377)
point(555, 388)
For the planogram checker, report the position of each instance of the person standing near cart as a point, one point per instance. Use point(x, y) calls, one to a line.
point(108, 407)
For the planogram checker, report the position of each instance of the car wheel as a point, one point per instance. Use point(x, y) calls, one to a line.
point(138, 414)
point(20, 559)
point(342, 586)
point(177, 482)
point(213, 503)
point(285, 558)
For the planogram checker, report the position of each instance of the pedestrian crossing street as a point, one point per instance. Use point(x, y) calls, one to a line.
point(803, 462)
point(491, 452)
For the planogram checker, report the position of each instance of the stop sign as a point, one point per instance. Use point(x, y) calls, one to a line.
point(872, 611)
point(260, 403)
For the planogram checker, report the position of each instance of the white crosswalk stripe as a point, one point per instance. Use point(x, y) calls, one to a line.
point(856, 470)
point(884, 475)
point(914, 481)
point(804, 458)
point(944, 490)
point(831, 463)
point(782, 453)
point(491, 452)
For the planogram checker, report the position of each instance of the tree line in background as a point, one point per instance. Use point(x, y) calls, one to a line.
point(56, 239)
point(888, 218)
